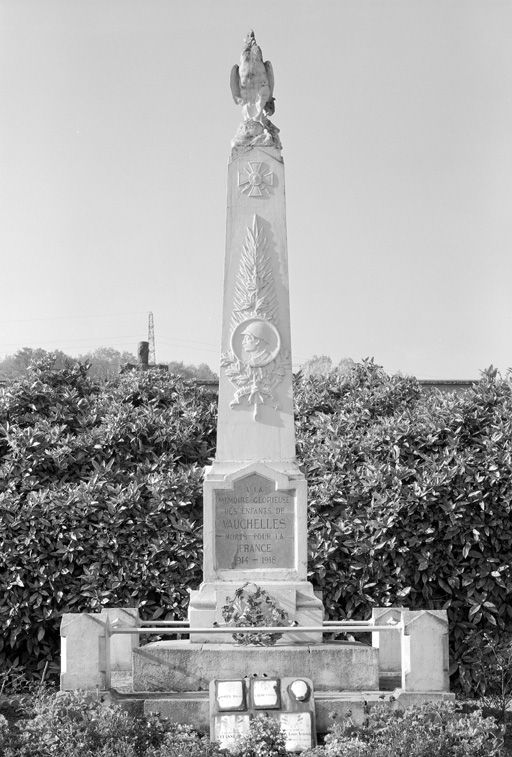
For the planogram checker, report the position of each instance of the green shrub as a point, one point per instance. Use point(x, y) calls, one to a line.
point(100, 501)
point(434, 729)
point(264, 739)
point(184, 741)
point(78, 724)
point(410, 500)
point(488, 674)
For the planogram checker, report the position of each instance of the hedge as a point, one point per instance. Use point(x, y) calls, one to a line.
point(101, 504)
point(410, 499)
point(101, 501)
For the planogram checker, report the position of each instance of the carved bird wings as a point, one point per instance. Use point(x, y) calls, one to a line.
point(252, 82)
point(246, 85)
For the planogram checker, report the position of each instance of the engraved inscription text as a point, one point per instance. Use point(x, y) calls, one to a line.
point(254, 526)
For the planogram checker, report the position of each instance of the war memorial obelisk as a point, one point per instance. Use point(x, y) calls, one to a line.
point(255, 496)
point(255, 500)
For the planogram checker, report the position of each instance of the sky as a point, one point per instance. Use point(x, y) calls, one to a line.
point(396, 123)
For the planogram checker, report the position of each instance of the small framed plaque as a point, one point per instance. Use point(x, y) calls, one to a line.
point(228, 728)
point(266, 694)
point(297, 729)
point(230, 695)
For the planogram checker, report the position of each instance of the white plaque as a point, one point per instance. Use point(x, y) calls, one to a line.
point(264, 692)
point(297, 728)
point(230, 695)
point(229, 728)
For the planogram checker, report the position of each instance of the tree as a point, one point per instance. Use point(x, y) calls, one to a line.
point(14, 366)
point(346, 365)
point(318, 365)
point(106, 362)
point(205, 372)
point(202, 371)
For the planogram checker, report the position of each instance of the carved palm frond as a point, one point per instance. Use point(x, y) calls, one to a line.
point(254, 295)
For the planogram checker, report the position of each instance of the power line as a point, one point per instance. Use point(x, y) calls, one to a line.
point(89, 339)
point(169, 344)
point(68, 317)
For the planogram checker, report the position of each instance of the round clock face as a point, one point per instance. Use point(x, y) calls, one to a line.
point(299, 689)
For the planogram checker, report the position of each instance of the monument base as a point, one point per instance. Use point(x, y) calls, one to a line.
point(192, 708)
point(255, 532)
point(182, 666)
point(295, 597)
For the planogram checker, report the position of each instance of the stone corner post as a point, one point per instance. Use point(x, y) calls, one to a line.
point(388, 643)
point(424, 648)
point(88, 650)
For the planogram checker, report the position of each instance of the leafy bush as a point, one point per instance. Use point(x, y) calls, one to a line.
point(435, 729)
point(490, 666)
point(264, 739)
point(100, 501)
point(410, 499)
point(78, 724)
point(183, 741)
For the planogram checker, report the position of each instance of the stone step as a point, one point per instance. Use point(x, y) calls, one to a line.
point(193, 707)
point(389, 681)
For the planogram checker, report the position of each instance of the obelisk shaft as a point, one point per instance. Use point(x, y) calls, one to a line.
point(255, 390)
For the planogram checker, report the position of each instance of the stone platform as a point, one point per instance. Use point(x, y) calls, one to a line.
point(182, 666)
point(192, 708)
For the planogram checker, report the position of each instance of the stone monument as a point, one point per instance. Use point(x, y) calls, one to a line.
point(255, 496)
point(255, 503)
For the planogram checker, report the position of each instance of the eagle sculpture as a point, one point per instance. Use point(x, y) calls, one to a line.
point(252, 82)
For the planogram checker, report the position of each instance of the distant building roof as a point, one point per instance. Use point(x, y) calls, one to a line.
point(447, 385)
point(443, 385)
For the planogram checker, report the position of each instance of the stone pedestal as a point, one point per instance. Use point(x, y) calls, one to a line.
point(181, 666)
point(255, 531)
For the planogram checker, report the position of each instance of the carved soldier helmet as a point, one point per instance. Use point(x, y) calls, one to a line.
point(257, 329)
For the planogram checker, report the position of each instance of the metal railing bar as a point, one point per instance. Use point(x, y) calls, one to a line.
point(185, 623)
point(347, 622)
point(164, 623)
point(254, 629)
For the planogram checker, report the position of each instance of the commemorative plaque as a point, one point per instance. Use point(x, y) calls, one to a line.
point(230, 695)
point(228, 728)
point(254, 526)
point(265, 693)
point(297, 728)
point(288, 700)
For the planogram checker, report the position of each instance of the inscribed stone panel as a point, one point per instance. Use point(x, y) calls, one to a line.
point(254, 526)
